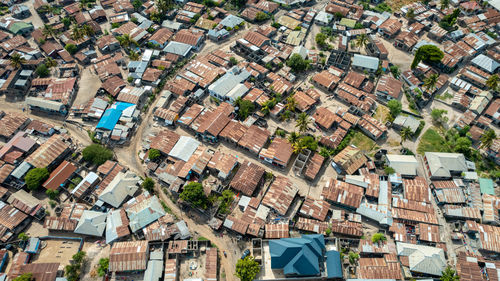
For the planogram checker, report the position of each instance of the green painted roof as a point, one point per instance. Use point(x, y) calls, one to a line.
point(347, 22)
point(17, 26)
point(486, 186)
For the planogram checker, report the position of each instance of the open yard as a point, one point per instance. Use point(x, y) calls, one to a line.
point(382, 113)
point(432, 141)
point(363, 142)
point(59, 251)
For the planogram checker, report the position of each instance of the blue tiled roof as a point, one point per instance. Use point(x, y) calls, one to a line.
point(297, 256)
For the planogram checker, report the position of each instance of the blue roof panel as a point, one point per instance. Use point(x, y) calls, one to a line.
point(333, 264)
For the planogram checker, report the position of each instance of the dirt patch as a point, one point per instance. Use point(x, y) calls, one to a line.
point(89, 84)
point(57, 251)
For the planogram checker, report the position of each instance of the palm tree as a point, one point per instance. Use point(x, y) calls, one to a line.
point(298, 147)
point(265, 108)
point(303, 122)
point(48, 31)
point(46, 9)
point(50, 62)
point(16, 60)
point(87, 30)
point(293, 137)
point(493, 82)
point(126, 41)
point(487, 138)
point(76, 33)
point(430, 83)
point(133, 55)
point(361, 41)
point(291, 103)
point(445, 4)
point(449, 274)
point(405, 134)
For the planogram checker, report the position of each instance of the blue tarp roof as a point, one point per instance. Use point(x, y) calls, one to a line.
point(111, 116)
point(297, 256)
point(333, 264)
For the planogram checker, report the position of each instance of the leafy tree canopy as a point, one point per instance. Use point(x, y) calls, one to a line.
point(377, 237)
point(148, 184)
point(429, 54)
point(297, 63)
point(193, 193)
point(394, 107)
point(154, 154)
point(97, 154)
point(35, 177)
point(247, 268)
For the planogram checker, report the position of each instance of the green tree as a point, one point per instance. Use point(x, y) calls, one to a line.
point(42, 70)
point(103, 267)
point(194, 194)
point(448, 22)
point(133, 55)
point(50, 62)
point(303, 122)
point(439, 116)
point(487, 138)
point(308, 142)
point(395, 71)
point(410, 15)
point(389, 170)
point(16, 60)
point(430, 82)
point(225, 199)
point(445, 4)
point(71, 48)
point(325, 152)
point(233, 61)
point(261, 16)
point(361, 41)
point(126, 41)
point(239, 3)
point(35, 177)
point(449, 274)
point(429, 54)
point(493, 82)
point(377, 237)
point(72, 271)
point(353, 258)
point(97, 154)
point(405, 134)
point(245, 108)
point(293, 137)
point(87, 30)
point(76, 32)
point(24, 277)
point(23, 237)
point(137, 5)
point(48, 31)
point(291, 103)
point(463, 145)
point(247, 268)
point(164, 6)
point(148, 184)
point(297, 63)
point(395, 107)
point(52, 194)
point(66, 21)
point(321, 40)
point(154, 154)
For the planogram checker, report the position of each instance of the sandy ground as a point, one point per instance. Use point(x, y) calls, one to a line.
point(57, 251)
point(94, 252)
point(88, 85)
point(34, 18)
